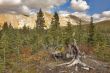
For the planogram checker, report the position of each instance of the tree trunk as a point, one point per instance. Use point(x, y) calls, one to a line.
point(76, 61)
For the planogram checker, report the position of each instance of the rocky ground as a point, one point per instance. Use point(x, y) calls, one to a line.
point(98, 67)
point(43, 62)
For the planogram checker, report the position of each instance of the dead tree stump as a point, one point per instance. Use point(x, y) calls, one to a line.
point(76, 61)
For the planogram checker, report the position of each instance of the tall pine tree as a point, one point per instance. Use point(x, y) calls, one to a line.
point(69, 31)
point(40, 22)
point(55, 29)
point(0, 32)
point(55, 21)
point(91, 33)
point(5, 26)
point(80, 31)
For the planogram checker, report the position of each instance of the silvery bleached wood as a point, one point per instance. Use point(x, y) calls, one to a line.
point(76, 59)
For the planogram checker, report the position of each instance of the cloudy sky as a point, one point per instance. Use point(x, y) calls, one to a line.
point(99, 9)
point(85, 8)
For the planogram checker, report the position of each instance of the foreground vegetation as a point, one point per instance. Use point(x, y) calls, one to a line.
point(18, 47)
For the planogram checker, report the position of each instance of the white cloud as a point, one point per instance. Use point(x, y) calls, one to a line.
point(44, 4)
point(80, 5)
point(102, 16)
point(82, 15)
point(96, 16)
point(17, 5)
point(10, 6)
point(4, 3)
point(106, 14)
point(57, 2)
point(24, 10)
point(64, 13)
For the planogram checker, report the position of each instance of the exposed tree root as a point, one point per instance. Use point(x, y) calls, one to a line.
point(76, 61)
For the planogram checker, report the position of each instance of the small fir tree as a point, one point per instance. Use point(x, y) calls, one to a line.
point(91, 33)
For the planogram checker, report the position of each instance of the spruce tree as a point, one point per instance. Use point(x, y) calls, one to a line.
point(55, 21)
point(4, 45)
point(0, 34)
point(68, 33)
point(55, 29)
point(80, 31)
point(91, 33)
point(25, 29)
point(10, 26)
point(5, 26)
point(40, 22)
point(69, 30)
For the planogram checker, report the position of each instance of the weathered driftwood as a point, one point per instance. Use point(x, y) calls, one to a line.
point(76, 61)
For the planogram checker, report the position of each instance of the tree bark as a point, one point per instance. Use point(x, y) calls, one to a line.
point(76, 61)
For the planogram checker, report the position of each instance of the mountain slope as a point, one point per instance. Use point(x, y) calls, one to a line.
point(18, 21)
point(103, 26)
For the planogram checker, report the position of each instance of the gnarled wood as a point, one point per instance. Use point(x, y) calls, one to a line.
point(76, 61)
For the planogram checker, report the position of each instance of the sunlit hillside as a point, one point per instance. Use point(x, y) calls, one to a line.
point(18, 21)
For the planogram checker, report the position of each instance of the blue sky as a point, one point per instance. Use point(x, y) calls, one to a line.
point(96, 6)
point(27, 6)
